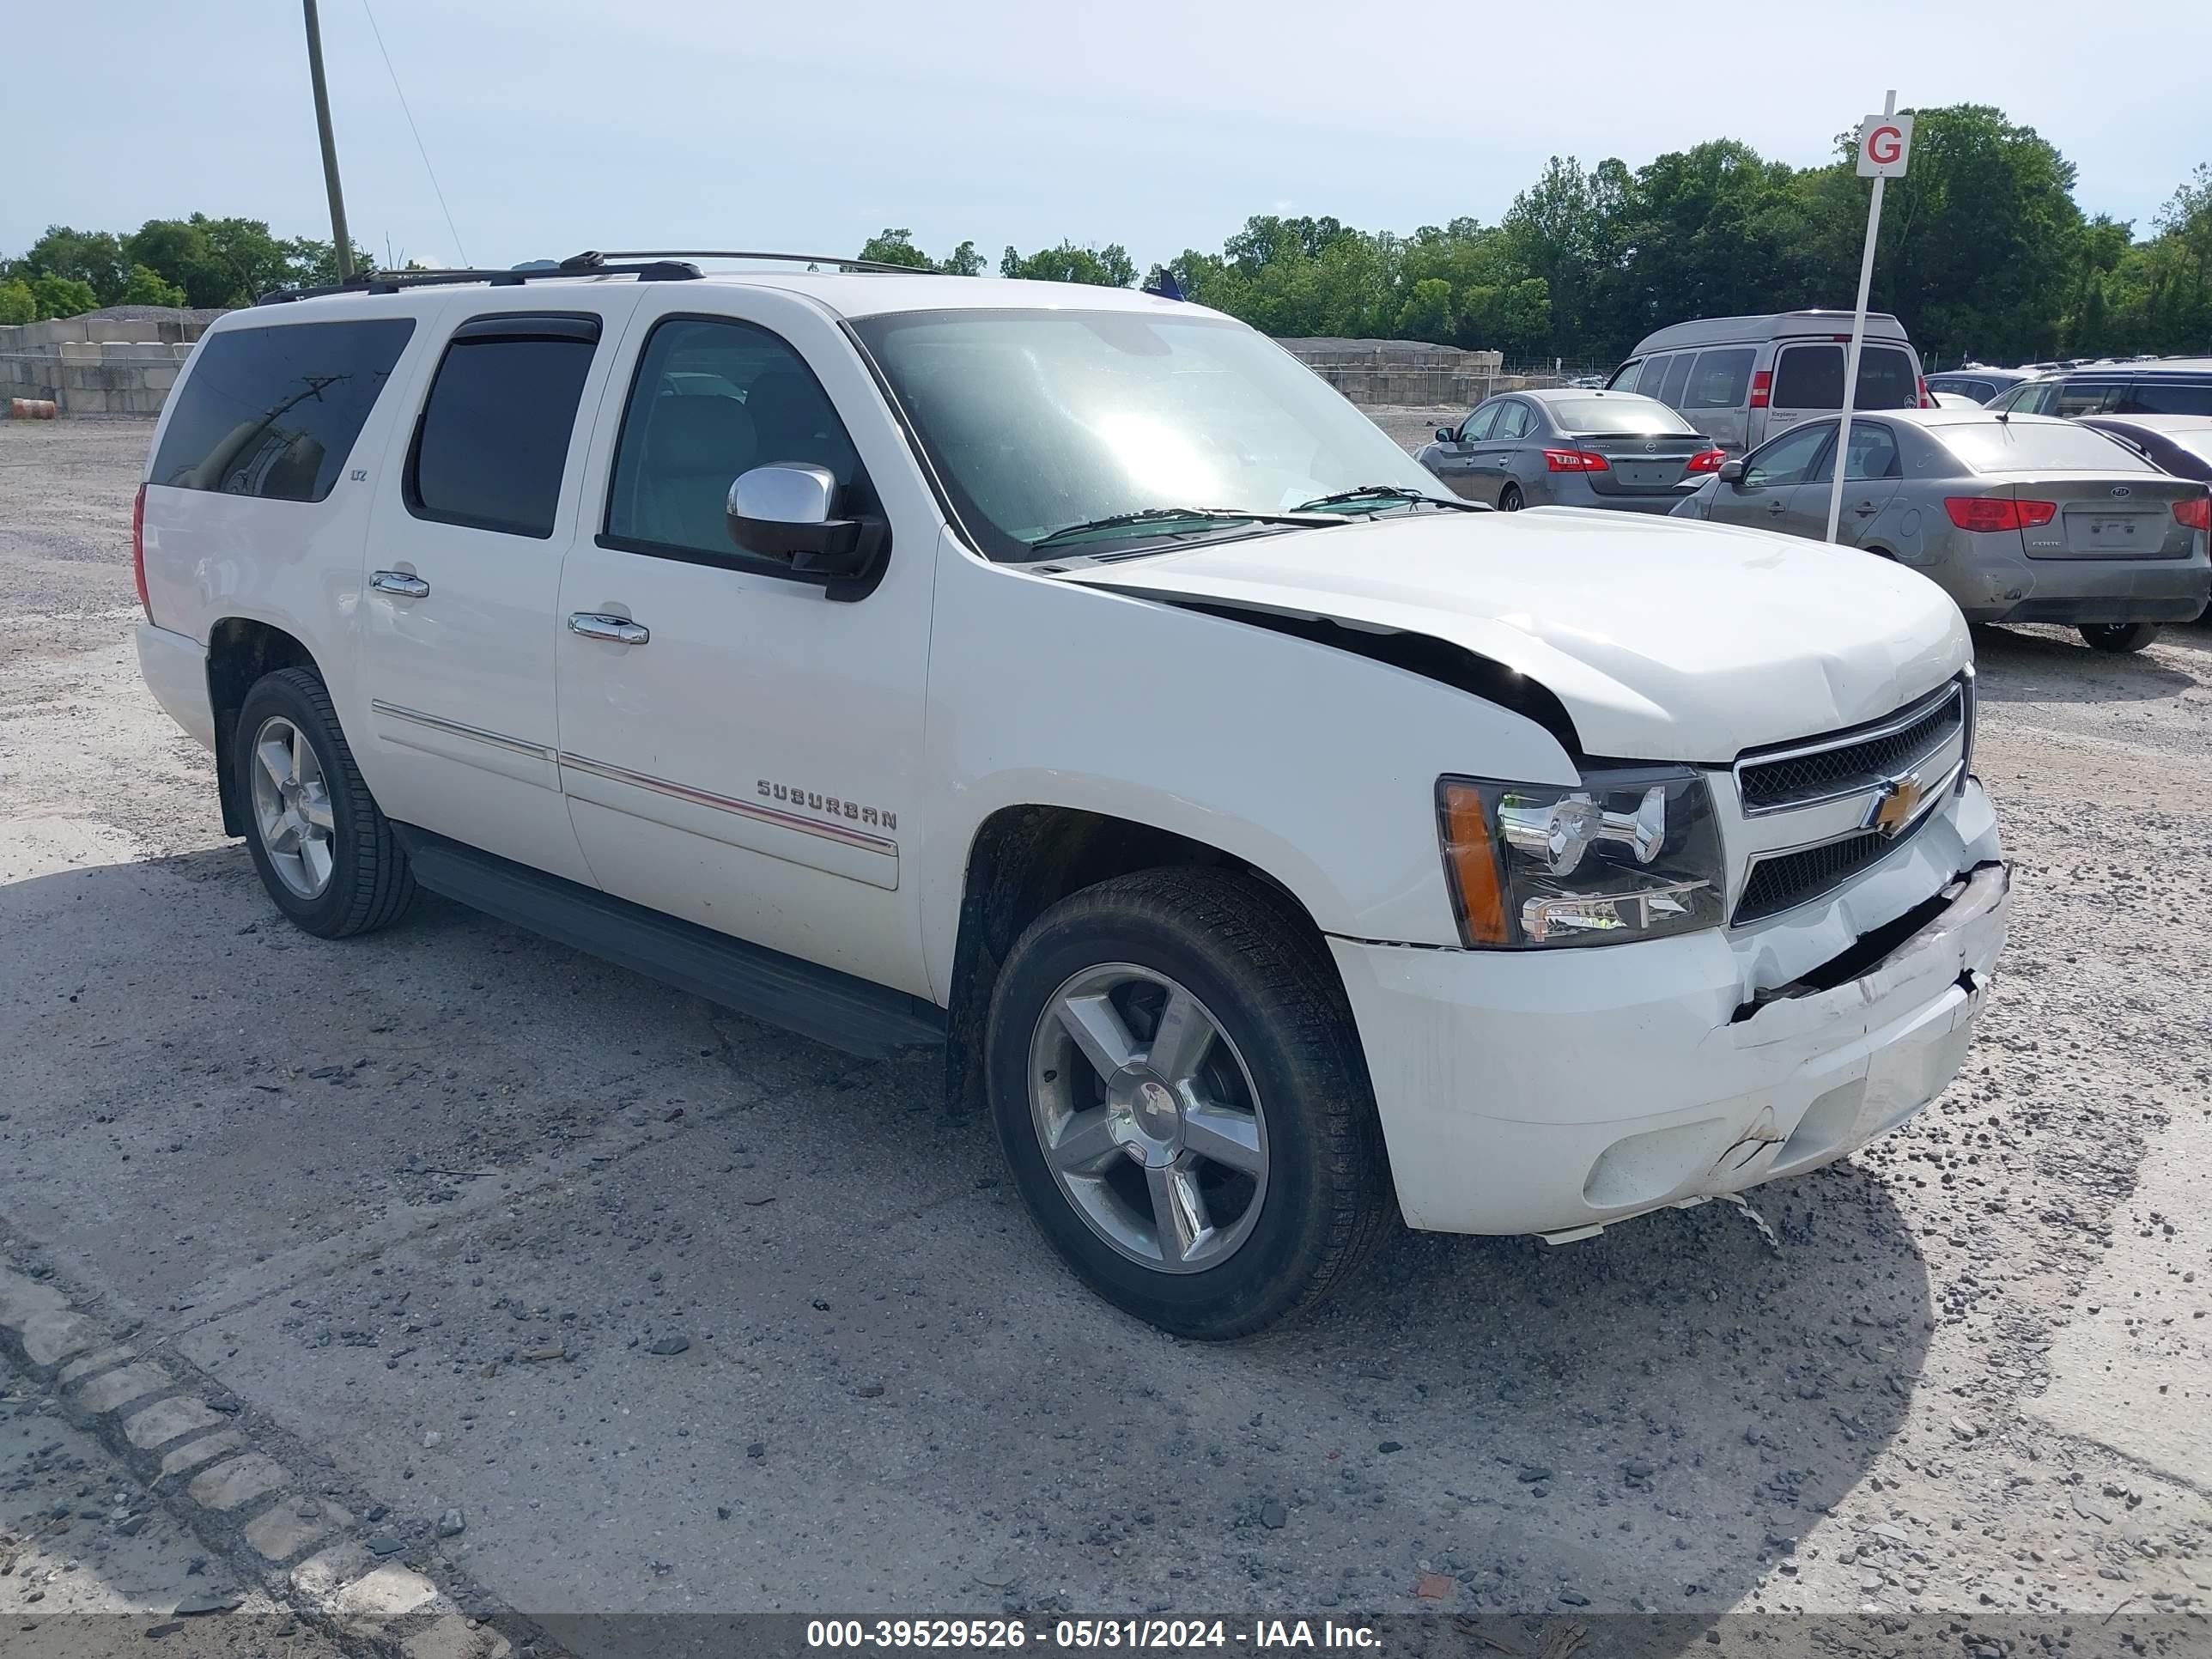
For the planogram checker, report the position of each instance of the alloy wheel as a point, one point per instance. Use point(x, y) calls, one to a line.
point(292, 807)
point(1148, 1118)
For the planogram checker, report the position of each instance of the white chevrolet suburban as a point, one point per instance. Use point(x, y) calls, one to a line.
point(1066, 679)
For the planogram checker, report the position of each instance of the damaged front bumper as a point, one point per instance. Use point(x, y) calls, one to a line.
point(1555, 1092)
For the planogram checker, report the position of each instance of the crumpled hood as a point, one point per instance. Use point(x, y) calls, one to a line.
point(1666, 639)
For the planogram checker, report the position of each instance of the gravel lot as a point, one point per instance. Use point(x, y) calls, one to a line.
point(358, 1184)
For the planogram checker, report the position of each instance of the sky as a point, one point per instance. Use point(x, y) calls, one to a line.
point(556, 125)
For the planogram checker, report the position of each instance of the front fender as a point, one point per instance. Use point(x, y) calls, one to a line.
point(1314, 764)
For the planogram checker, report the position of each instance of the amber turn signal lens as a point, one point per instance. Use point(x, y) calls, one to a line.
point(1471, 860)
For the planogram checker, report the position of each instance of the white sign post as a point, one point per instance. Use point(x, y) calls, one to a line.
point(1885, 146)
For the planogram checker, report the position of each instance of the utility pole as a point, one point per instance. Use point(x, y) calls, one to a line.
point(338, 236)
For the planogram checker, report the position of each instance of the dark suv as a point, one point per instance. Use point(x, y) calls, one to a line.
point(2166, 386)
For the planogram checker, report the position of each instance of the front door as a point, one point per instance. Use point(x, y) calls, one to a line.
point(1455, 462)
point(476, 508)
point(1773, 474)
point(738, 749)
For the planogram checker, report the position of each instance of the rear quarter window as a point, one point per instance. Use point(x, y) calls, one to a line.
point(273, 412)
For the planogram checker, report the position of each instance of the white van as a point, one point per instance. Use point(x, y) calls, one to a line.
point(1742, 380)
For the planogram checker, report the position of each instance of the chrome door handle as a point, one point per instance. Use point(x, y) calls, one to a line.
point(400, 584)
point(595, 625)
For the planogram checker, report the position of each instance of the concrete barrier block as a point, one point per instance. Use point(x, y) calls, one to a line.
point(52, 1335)
point(159, 377)
point(112, 1388)
point(19, 1297)
point(79, 351)
point(201, 1451)
point(170, 1420)
point(227, 1485)
point(391, 1592)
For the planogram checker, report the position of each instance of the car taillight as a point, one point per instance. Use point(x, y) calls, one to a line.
point(138, 549)
point(1991, 513)
point(1926, 397)
point(2197, 514)
point(1576, 460)
point(1705, 461)
point(1762, 388)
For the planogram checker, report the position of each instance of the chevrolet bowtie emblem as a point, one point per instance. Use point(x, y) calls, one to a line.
point(1894, 805)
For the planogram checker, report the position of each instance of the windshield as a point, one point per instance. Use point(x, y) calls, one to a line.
point(1601, 418)
point(2027, 444)
point(1036, 421)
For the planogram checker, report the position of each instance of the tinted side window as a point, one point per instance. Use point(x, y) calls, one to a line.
point(1624, 378)
point(1515, 421)
point(714, 398)
point(1721, 379)
point(2149, 397)
point(1480, 424)
point(493, 442)
point(273, 411)
point(1654, 373)
point(1678, 376)
point(2087, 397)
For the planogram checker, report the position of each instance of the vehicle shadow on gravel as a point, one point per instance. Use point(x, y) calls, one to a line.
point(573, 1167)
point(2047, 664)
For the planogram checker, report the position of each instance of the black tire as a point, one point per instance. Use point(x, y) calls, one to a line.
point(1509, 499)
point(370, 886)
point(1244, 949)
point(2118, 637)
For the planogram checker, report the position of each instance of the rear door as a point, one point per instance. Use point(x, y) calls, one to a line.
point(476, 507)
point(1504, 452)
point(1872, 476)
point(1809, 380)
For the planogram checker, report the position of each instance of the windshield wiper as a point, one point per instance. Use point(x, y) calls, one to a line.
point(1195, 515)
point(1389, 493)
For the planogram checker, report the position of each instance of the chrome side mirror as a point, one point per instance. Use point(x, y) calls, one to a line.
point(788, 512)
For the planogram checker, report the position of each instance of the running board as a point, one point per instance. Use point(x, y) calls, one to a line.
point(861, 1018)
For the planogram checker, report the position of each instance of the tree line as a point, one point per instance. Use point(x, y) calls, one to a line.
point(1985, 253)
point(196, 261)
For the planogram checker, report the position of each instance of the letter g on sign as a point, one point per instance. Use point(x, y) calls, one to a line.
point(1885, 146)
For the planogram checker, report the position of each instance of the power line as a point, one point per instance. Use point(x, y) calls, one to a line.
point(411, 127)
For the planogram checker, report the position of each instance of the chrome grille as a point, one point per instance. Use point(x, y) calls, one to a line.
point(1845, 763)
point(1786, 880)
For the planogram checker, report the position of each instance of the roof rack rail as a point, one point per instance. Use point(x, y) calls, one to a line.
point(391, 281)
point(840, 261)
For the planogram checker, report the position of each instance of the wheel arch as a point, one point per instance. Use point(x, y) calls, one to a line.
point(240, 650)
point(1022, 860)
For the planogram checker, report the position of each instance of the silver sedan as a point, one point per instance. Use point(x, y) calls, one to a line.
point(1571, 447)
point(2020, 518)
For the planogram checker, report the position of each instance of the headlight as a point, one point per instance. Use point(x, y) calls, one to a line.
point(1625, 854)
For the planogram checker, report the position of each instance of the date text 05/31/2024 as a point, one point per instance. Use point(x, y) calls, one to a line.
point(1170, 1635)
